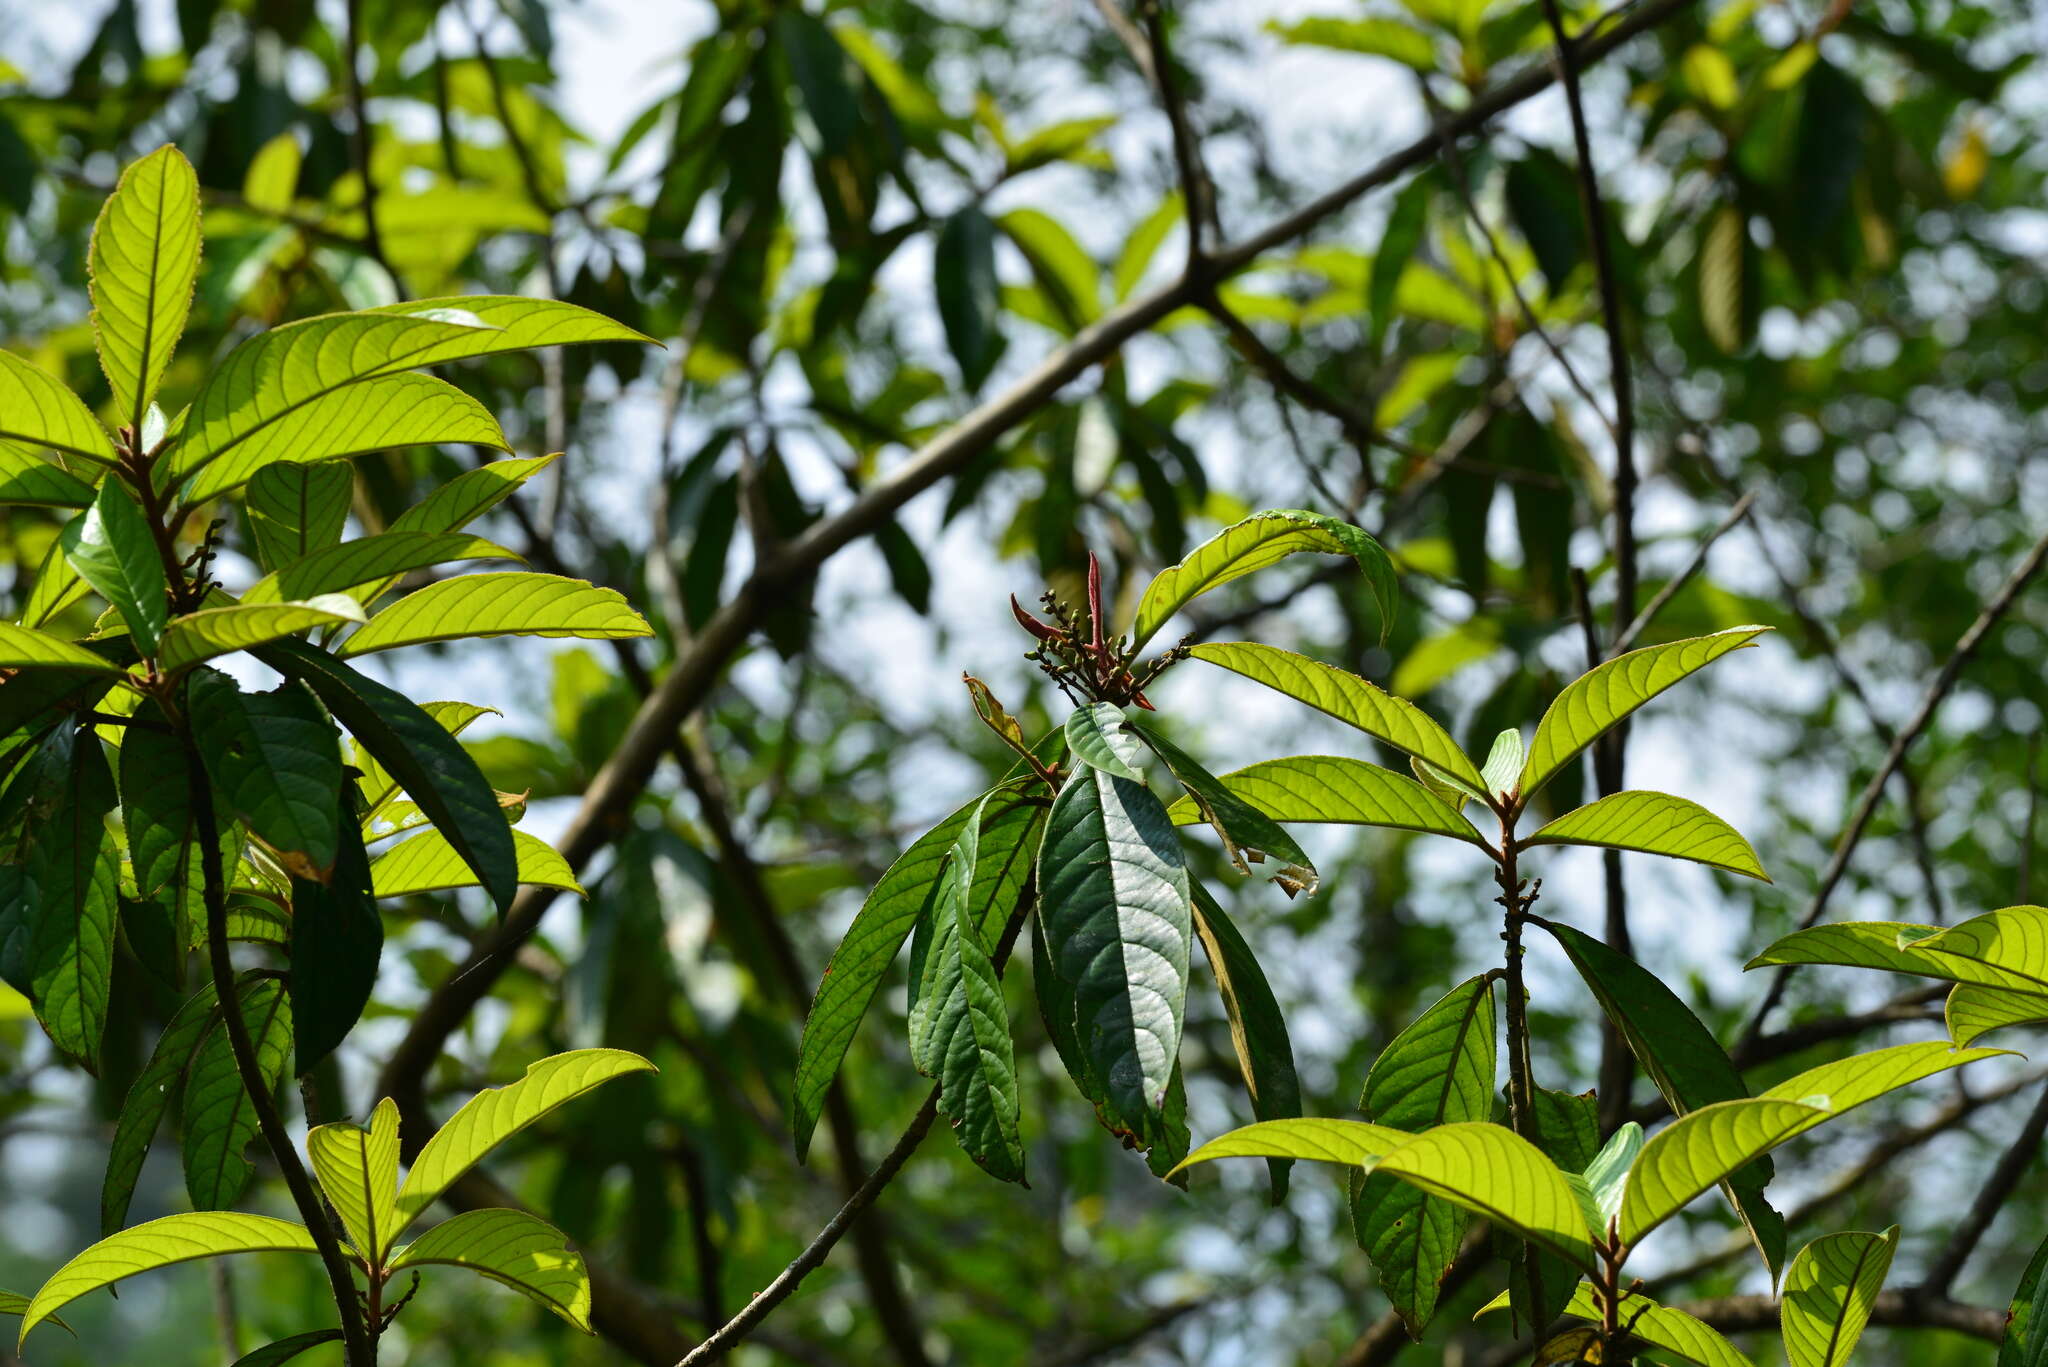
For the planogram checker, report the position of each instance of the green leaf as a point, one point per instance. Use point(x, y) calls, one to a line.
point(368, 559)
point(276, 762)
point(469, 495)
point(358, 1172)
point(1144, 242)
point(494, 1115)
point(1099, 736)
point(1660, 1326)
point(435, 771)
point(427, 862)
point(964, 276)
point(113, 550)
point(2011, 943)
point(1595, 701)
point(960, 1027)
point(1974, 1011)
point(1438, 1071)
point(337, 940)
point(296, 509)
point(56, 588)
point(512, 603)
point(156, 811)
point(1607, 1175)
point(881, 926)
point(1114, 886)
point(1348, 698)
point(219, 1119)
point(1701, 1148)
point(145, 257)
point(284, 1350)
point(1846, 1083)
point(272, 180)
point(14, 1303)
point(1376, 37)
point(37, 409)
point(1503, 765)
point(1251, 545)
point(26, 648)
point(1249, 836)
point(1494, 1172)
point(1335, 789)
point(149, 1098)
point(520, 1250)
point(1893, 946)
point(1829, 1290)
point(200, 636)
point(29, 479)
point(272, 398)
point(1406, 224)
point(1258, 1029)
point(288, 416)
point(378, 788)
point(160, 1243)
point(71, 875)
point(1654, 823)
point(1683, 1059)
point(2025, 1344)
point(1350, 1143)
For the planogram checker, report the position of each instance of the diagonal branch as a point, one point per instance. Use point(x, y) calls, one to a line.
point(1866, 805)
point(611, 794)
point(1990, 1199)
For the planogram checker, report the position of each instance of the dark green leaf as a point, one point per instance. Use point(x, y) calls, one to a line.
point(337, 939)
point(284, 1350)
point(276, 762)
point(111, 547)
point(149, 1099)
point(1249, 836)
point(430, 764)
point(1258, 1030)
point(71, 877)
point(218, 1118)
point(964, 274)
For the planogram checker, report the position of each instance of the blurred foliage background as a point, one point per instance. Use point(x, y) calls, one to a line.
point(851, 224)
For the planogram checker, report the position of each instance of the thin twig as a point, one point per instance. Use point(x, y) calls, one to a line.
point(1891, 1310)
point(1685, 576)
point(1196, 187)
point(1990, 1200)
point(696, 669)
point(356, 1338)
point(1923, 715)
point(351, 53)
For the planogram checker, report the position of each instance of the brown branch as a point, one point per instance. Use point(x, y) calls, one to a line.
point(1866, 805)
point(1384, 1341)
point(606, 806)
point(1196, 187)
point(351, 52)
point(1892, 1310)
point(1990, 1199)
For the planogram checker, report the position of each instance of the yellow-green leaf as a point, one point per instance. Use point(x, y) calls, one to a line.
point(2011, 944)
point(37, 409)
point(1974, 1011)
point(428, 863)
point(1829, 1290)
point(496, 1114)
point(1251, 545)
point(520, 1250)
point(273, 175)
point(290, 416)
point(333, 569)
point(1494, 1172)
point(1655, 823)
point(1346, 697)
point(209, 632)
point(145, 257)
point(160, 1243)
point(504, 604)
point(1339, 790)
point(27, 478)
point(1702, 1148)
point(1845, 1084)
point(1893, 946)
point(1672, 1330)
point(27, 648)
point(1352, 1143)
point(1602, 696)
point(358, 1171)
point(114, 550)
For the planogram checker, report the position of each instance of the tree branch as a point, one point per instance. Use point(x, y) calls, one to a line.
point(1991, 1198)
point(351, 51)
point(1866, 805)
point(1893, 1310)
point(606, 805)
